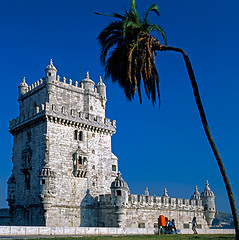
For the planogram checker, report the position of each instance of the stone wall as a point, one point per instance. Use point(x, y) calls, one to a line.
point(67, 231)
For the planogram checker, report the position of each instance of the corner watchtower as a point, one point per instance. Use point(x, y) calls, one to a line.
point(208, 200)
point(51, 72)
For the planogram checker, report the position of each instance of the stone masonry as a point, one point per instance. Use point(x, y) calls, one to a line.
point(64, 172)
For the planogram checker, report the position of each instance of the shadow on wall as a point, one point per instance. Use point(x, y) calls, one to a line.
point(89, 211)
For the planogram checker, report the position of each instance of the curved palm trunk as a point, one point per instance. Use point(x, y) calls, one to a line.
point(207, 131)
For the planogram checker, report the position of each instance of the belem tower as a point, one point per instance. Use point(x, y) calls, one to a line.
point(64, 172)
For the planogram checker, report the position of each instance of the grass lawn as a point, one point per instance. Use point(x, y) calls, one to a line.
point(150, 237)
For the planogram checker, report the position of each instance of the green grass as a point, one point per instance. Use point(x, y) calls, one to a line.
point(148, 237)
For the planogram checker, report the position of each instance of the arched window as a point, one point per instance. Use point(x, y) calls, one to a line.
point(29, 136)
point(80, 160)
point(75, 134)
point(81, 136)
point(27, 181)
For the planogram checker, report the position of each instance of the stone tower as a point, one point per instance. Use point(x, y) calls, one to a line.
point(62, 158)
point(208, 200)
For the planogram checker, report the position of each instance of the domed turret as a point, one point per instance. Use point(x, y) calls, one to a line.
point(51, 72)
point(88, 83)
point(22, 87)
point(101, 89)
point(196, 194)
point(207, 191)
point(119, 191)
point(47, 187)
point(208, 200)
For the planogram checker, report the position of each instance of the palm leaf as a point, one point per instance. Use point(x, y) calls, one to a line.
point(153, 8)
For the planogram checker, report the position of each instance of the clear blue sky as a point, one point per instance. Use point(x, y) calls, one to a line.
point(156, 148)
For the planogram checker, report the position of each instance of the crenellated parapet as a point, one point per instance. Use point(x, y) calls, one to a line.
point(152, 202)
point(25, 90)
point(33, 115)
point(81, 120)
point(163, 202)
point(85, 86)
point(70, 117)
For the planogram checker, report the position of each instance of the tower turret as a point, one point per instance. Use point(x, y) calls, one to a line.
point(88, 83)
point(119, 198)
point(119, 191)
point(196, 194)
point(101, 89)
point(51, 72)
point(22, 87)
point(208, 200)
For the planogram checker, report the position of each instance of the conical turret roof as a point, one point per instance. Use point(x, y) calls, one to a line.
point(207, 191)
point(119, 182)
point(196, 194)
point(51, 66)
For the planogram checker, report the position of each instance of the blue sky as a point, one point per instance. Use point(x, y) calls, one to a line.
point(156, 148)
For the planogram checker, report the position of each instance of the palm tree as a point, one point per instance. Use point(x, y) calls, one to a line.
point(128, 51)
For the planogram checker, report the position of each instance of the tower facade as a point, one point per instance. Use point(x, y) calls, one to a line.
point(62, 158)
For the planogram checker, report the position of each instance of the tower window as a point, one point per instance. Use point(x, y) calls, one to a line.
point(43, 181)
point(63, 110)
point(81, 136)
point(27, 181)
point(91, 108)
point(75, 135)
point(114, 168)
point(118, 192)
point(78, 135)
point(80, 160)
point(49, 74)
point(29, 136)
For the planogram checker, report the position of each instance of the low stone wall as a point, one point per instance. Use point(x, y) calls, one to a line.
point(208, 231)
point(26, 230)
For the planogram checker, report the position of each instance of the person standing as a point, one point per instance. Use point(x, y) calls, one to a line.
point(172, 226)
point(194, 226)
point(161, 224)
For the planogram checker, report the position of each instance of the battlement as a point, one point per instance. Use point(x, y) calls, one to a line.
point(31, 115)
point(163, 201)
point(26, 90)
point(63, 83)
point(156, 201)
point(65, 116)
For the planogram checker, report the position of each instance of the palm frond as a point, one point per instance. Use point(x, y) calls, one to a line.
point(157, 28)
point(128, 53)
point(116, 15)
point(154, 8)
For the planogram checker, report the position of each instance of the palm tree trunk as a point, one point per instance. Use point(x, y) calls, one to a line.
point(207, 131)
